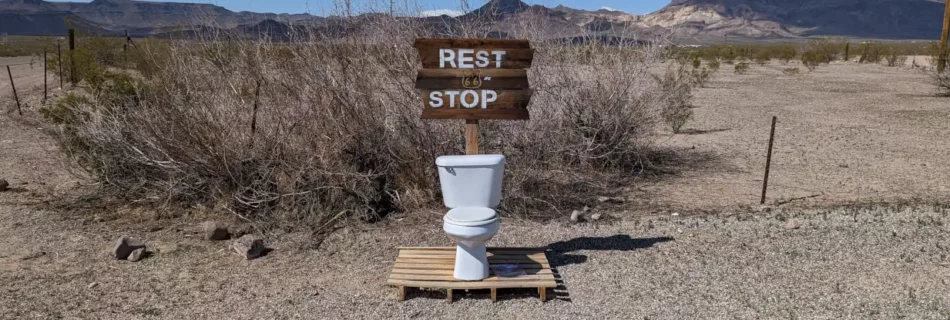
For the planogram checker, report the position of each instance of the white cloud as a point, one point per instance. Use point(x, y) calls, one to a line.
point(439, 12)
point(609, 9)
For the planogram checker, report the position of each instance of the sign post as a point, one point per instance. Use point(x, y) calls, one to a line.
point(474, 79)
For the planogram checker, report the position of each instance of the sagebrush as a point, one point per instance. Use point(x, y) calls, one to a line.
point(321, 129)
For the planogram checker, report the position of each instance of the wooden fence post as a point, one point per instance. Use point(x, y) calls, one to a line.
point(768, 161)
point(471, 137)
point(59, 55)
point(45, 93)
point(943, 52)
point(10, 74)
point(72, 57)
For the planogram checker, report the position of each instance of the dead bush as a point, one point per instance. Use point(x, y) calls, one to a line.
point(790, 71)
point(318, 130)
point(742, 68)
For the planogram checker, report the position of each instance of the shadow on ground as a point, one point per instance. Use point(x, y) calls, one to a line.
point(559, 253)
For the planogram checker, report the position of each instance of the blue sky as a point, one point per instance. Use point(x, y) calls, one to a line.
point(325, 7)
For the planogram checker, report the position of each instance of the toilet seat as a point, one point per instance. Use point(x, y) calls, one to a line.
point(470, 216)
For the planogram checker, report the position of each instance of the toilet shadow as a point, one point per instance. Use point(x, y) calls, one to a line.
point(559, 253)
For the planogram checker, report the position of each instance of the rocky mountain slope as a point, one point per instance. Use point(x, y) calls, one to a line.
point(700, 20)
point(888, 19)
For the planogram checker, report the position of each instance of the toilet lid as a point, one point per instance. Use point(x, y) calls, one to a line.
point(471, 216)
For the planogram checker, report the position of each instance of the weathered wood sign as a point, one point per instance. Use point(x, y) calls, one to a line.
point(474, 79)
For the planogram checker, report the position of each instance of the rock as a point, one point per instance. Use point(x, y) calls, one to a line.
point(167, 248)
point(92, 285)
point(4, 185)
point(124, 247)
point(792, 224)
point(595, 216)
point(249, 246)
point(576, 216)
point(586, 209)
point(214, 231)
point(765, 208)
point(676, 214)
point(137, 255)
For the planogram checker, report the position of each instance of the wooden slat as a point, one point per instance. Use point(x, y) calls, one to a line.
point(506, 99)
point(472, 284)
point(490, 249)
point(477, 114)
point(497, 79)
point(426, 277)
point(451, 254)
point(452, 261)
point(451, 271)
point(512, 59)
point(447, 266)
point(473, 43)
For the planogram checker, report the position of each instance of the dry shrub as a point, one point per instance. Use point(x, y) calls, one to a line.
point(679, 82)
point(791, 71)
point(941, 79)
point(872, 53)
point(317, 130)
point(742, 68)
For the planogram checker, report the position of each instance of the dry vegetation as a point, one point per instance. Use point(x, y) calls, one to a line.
point(315, 131)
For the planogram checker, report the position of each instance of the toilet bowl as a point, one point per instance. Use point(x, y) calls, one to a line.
point(471, 187)
point(472, 227)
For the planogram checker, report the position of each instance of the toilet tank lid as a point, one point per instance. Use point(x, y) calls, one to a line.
point(470, 161)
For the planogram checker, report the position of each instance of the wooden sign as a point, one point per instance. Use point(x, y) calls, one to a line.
point(474, 79)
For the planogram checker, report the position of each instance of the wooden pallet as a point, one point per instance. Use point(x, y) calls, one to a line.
point(432, 267)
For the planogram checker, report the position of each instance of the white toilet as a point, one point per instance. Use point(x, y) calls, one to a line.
point(471, 187)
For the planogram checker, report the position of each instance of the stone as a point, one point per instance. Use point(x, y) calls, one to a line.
point(595, 216)
point(576, 216)
point(765, 208)
point(137, 255)
point(167, 248)
point(4, 185)
point(675, 214)
point(124, 247)
point(249, 246)
point(792, 224)
point(586, 209)
point(214, 231)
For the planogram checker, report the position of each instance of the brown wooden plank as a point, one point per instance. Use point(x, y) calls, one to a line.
point(492, 79)
point(512, 59)
point(452, 266)
point(490, 261)
point(505, 99)
point(402, 293)
point(477, 114)
point(472, 43)
point(427, 277)
point(450, 272)
point(494, 294)
point(543, 293)
point(472, 284)
point(490, 249)
point(452, 255)
point(448, 295)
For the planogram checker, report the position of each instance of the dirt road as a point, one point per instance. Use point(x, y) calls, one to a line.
point(853, 263)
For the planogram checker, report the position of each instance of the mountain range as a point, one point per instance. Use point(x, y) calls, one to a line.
point(699, 20)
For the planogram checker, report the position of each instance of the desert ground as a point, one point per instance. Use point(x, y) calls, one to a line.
point(857, 226)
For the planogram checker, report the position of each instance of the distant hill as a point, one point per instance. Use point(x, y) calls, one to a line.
point(700, 20)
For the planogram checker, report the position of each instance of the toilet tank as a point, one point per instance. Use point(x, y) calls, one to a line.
point(471, 181)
